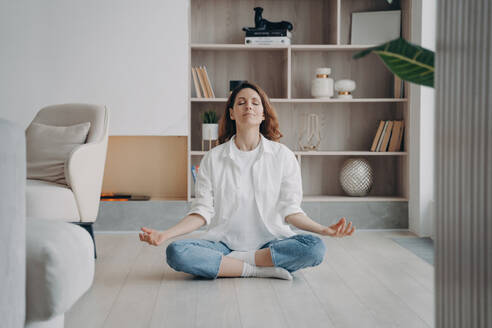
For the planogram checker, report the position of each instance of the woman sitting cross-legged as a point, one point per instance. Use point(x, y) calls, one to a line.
point(248, 190)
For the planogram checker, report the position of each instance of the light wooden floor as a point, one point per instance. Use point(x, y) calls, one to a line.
point(366, 280)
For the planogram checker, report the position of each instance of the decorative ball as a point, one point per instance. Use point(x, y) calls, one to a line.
point(356, 177)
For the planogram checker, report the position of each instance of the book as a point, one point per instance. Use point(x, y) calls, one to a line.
point(400, 139)
point(377, 136)
point(194, 172)
point(196, 83)
point(397, 92)
point(395, 135)
point(378, 148)
point(111, 195)
point(209, 85)
point(267, 40)
point(123, 197)
point(201, 78)
point(387, 135)
point(269, 33)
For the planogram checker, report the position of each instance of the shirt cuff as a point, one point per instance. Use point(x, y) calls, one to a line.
point(207, 216)
point(291, 210)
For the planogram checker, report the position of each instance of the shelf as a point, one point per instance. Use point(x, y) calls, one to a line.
point(350, 199)
point(351, 153)
point(353, 199)
point(293, 47)
point(313, 100)
point(329, 153)
point(336, 100)
point(207, 100)
point(328, 47)
point(213, 46)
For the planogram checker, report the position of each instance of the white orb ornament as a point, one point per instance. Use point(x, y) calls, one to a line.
point(322, 85)
point(356, 177)
point(344, 88)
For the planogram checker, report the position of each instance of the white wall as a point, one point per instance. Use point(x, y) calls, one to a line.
point(422, 113)
point(129, 55)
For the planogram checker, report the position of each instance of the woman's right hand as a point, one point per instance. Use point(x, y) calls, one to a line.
point(151, 236)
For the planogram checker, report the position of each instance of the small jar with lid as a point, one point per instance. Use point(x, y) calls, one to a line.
point(322, 85)
point(344, 88)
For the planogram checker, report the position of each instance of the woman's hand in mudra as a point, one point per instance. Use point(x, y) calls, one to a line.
point(151, 236)
point(338, 229)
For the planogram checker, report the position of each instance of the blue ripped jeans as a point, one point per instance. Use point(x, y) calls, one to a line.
point(202, 257)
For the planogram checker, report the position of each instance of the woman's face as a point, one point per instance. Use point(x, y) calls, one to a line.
point(248, 109)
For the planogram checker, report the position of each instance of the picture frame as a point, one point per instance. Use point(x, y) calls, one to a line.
point(375, 27)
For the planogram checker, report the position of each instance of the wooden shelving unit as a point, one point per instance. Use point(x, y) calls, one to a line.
point(321, 38)
point(310, 100)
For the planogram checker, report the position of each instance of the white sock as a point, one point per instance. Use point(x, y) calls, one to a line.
point(265, 272)
point(248, 257)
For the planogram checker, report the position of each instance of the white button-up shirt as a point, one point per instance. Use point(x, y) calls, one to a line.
point(277, 186)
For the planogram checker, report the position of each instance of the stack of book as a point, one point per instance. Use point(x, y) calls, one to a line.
point(389, 136)
point(203, 88)
point(272, 37)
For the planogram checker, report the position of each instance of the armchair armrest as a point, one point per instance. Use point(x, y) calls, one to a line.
point(84, 173)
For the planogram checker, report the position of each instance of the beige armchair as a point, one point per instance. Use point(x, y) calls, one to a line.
point(78, 201)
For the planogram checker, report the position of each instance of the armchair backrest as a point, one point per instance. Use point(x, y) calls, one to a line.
point(70, 114)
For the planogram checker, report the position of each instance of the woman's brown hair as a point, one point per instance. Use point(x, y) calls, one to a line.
point(269, 128)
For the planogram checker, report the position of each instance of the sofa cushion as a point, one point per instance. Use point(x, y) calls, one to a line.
point(59, 267)
point(49, 147)
point(51, 201)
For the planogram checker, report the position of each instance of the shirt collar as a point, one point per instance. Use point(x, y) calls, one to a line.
point(265, 147)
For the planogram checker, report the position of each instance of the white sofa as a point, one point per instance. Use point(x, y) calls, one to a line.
point(45, 265)
point(78, 201)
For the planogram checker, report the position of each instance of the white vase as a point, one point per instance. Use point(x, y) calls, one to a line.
point(322, 85)
point(210, 131)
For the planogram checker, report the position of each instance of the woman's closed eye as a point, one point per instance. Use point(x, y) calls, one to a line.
point(255, 104)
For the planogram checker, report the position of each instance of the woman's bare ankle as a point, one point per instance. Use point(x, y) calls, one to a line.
point(263, 258)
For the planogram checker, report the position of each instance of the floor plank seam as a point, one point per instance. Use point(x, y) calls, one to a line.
point(361, 301)
point(157, 296)
point(319, 300)
point(236, 297)
point(411, 275)
point(284, 317)
point(122, 285)
point(408, 273)
point(384, 285)
point(195, 318)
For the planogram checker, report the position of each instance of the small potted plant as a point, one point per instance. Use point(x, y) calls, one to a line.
point(210, 127)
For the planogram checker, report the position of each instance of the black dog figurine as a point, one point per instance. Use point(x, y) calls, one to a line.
point(262, 24)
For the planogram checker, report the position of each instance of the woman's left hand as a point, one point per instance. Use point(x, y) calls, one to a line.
point(338, 229)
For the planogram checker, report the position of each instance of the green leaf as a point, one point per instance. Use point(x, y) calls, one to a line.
point(209, 117)
point(409, 62)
